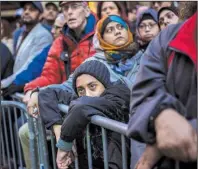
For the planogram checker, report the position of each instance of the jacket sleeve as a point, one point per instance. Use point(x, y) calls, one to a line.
point(149, 94)
point(53, 71)
point(37, 47)
point(48, 100)
point(113, 103)
point(34, 68)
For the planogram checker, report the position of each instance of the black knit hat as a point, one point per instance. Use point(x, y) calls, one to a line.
point(94, 68)
point(171, 8)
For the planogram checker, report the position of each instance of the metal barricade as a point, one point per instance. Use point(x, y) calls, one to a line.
point(38, 138)
point(104, 123)
point(10, 149)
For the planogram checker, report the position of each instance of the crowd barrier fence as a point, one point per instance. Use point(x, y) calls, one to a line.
point(38, 137)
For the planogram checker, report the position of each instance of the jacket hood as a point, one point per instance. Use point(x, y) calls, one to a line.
point(151, 12)
point(89, 28)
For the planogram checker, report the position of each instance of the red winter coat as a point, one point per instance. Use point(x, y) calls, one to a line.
point(54, 69)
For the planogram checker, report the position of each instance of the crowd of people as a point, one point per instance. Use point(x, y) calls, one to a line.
point(137, 66)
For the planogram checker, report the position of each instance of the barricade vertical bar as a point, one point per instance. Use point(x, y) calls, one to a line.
point(40, 146)
point(89, 148)
point(44, 143)
point(124, 154)
point(3, 147)
point(76, 158)
point(18, 144)
point(53, 150)
point(1, 138)
point(12, 138)
point(105, 153)
point(22, 115)
point(6, 138)
point(33, 146)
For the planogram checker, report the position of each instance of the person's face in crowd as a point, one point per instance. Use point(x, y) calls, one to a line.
point(51, 12)
point(157, 5)
point(75, 15)
point(88, 85)
point(148, 29)
point(57, 27)
point(109, 8)
point(132, 15)
point(30, 14)
point(167, 17)
point(115, 34)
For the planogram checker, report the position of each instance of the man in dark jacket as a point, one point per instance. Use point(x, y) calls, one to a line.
point(7, 61)
point(164, 109)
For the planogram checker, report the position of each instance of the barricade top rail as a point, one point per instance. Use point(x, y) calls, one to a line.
point(14, 104)
point(97, 120)
point(18, 96)
point(102, 121)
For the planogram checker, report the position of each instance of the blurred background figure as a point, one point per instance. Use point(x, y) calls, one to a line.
point(132, 14)
point(187, 9)
point(141, 9)
point(167, 16)
point(18, 21)
point(111, 8)
point(6, 34)
point(49, 15)
point(157, 5)
point(58, 25)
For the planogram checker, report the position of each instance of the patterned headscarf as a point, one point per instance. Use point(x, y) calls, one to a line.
point(114, 53)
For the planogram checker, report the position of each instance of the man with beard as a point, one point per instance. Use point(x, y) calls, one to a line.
point(49, 15)
point(164, 109)
point(32, 49)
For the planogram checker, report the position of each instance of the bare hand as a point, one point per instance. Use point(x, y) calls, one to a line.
point(33, 105)
point(63, 159)
point(149, 158)
point(175, 136)
point(27, 96)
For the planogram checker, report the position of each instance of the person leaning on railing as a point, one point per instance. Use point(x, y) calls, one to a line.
point(96, 95)
point(115, 48)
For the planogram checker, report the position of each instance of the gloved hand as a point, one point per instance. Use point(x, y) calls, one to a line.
point(13, 88)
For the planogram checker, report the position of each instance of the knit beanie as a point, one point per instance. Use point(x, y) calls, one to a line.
point(94, 68)
point(171, 8)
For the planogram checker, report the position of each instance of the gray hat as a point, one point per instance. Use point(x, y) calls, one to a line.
point(94, 68)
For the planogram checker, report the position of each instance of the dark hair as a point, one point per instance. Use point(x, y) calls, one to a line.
point(120, 6)
point(7, 32)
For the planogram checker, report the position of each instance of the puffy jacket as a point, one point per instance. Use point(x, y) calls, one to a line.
point(78, 50)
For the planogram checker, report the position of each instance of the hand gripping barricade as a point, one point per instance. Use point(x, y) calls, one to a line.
point(38, 138)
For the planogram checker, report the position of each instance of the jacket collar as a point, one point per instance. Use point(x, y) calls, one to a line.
point(185, 41)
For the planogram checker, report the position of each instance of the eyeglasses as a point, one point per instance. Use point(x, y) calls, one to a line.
point(73, 6)
point(144, 26)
